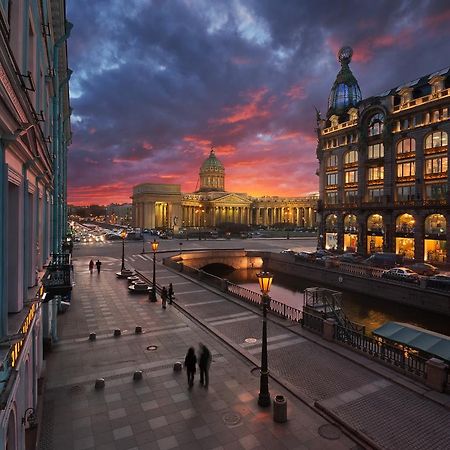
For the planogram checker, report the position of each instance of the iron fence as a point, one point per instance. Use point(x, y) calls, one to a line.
point(312, 322)
point(389, 354)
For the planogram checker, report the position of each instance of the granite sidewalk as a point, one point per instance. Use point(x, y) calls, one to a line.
point(160, 412)
point(386, 408)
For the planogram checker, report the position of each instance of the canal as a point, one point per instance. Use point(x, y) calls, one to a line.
point(364, 309)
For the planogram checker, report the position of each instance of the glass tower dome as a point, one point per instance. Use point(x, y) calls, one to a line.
point(345, 92)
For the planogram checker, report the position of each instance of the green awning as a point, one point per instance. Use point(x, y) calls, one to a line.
point(417, 338)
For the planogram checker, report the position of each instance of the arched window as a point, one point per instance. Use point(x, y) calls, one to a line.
point(435, 224)
point(436, 139)
point(406, 146)
point(350, 223)
point(332, 161)
point(405, 224)
point(376, 124)
point(331, 223)
point(375, 223)
point(351, 157)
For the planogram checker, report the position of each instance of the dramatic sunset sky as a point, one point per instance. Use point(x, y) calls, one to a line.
point(156, 82)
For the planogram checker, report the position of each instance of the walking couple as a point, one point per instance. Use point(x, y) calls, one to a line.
point(204, 362)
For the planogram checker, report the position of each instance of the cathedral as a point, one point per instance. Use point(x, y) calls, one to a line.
point(164, 206)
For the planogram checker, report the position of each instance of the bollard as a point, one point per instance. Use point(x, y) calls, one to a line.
point(178, 367)
point(279, 409)
point(92, 336)
point(117, 333)
point(99, 383)
point(137, 375)
point(138, 330)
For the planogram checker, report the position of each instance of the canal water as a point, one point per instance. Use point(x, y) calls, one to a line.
point(364, 309)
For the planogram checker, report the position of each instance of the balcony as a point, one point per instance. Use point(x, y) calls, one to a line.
point(341, 126)
point(58, 276)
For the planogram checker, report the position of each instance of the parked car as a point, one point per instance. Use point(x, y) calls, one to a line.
point(401, 274)
point(305, 256)
point(352, 258)
point(384, 260)
point(424, 269)
point(439, 282)
point(289, 251)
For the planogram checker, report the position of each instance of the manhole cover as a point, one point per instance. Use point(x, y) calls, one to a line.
point(152, 348)
point(255, 372)
point(250, 340)
point(76, 390)
point(231, 418)
point(329, 431)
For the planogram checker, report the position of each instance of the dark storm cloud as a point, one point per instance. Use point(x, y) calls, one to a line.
point(155, 82)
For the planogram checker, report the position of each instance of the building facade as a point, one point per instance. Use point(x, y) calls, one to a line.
point(383, 167)
point(34, 134)
point(164, 206)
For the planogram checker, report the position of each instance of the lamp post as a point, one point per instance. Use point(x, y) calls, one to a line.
point(155, 244)
point(265, 281)
point(123, 235)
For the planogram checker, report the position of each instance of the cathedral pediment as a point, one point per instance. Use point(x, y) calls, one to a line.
point(234, 199)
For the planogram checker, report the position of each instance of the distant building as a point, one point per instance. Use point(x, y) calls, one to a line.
point(119, 214)
point(34, 135)
point(383, 167)
point(164, 206)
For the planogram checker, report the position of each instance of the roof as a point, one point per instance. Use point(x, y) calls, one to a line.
point(211, 162)
point(435, 344)
point(419, 82)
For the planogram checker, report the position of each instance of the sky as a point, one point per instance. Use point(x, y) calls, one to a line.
point(157, 82)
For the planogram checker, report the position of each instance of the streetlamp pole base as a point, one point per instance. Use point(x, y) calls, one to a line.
point(264, 399)
point(264, 395)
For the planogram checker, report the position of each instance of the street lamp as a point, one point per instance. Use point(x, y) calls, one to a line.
point(265, 281)
point(123, 235)
point(155, 244)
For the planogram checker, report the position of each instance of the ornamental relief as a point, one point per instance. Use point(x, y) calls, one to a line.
point(12, 95)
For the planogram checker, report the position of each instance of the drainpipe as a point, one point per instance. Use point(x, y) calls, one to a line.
point(56, 244)
point(3, 237)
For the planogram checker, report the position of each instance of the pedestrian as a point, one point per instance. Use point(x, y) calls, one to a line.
point(91, 266)
point(189, 363)
point(98, 264)
point(164, 297)
point(204, 363)
point(170, 293)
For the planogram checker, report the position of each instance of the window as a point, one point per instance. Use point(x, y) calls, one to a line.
point(436, 191)
point(406, 146)
point(376, 124)
point(436, 165)
point(351, 157)
point(351, 176)
point(332, 179)
point(350, 196)
point(332, 161)
point(436, 139)
point(375, 195)
point(376, 173)
point(332, 198)
point(375, 151)
point(406, 169)
point(405, 193)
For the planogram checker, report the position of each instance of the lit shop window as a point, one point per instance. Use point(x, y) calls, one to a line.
point(351, 176)
point(406, 169)
point(332, 161)
point(376, 124)
point(436, 165)
point(351, 157)
point(332, 179)
point(375, 151)
point(406, 146)
point(436, 139)
point(376, 173)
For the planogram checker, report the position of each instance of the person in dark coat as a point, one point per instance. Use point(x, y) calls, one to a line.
point(99, 265)
point(204, 363)
point(164, 297)
point(170, 293)
point(91, 266)
point(189, 362)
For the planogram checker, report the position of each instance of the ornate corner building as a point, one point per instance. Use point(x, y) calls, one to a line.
point(164, 206)
point(383, 167)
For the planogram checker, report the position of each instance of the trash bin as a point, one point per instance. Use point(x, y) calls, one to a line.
point(279, 409)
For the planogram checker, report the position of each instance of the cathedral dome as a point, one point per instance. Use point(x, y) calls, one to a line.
point(345, 92)
point(212, 174)
point(211, 162)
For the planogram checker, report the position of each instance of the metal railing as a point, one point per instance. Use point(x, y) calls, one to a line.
point(312, 323)
point(394, 356)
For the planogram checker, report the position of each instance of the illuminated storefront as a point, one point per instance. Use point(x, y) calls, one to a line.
point(331, 232)
point(375, 233)
point(435, 242)
point(350, 233)
point(404, 235)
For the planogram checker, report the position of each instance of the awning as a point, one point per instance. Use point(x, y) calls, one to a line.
point(435, 344)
